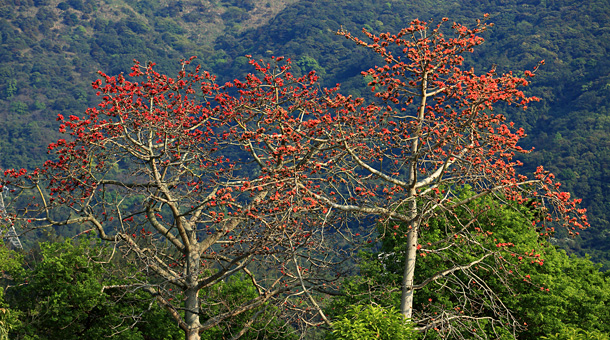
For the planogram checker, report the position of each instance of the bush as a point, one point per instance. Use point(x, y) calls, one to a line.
point(571, 333)
point(374, 323)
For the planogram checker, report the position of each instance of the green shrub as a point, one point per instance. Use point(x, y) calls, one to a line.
point(374, 323)
point(572, 333)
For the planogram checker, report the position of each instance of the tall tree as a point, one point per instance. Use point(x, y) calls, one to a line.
point(405, 158)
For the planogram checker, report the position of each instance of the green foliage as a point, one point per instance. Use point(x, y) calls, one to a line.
point(563, 291)
point(19, 108)
point(11, 89)
point(8, 319)
point(573, 333)
point(372, 323)
point(235, 291)
point(10, 261)
point(63, 298)
point(10, 265)
point(307, 63)
point(578, 296)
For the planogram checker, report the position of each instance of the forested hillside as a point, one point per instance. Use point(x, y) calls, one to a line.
point(51, 51)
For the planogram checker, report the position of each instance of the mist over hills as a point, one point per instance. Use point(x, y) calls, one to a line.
point(51, 49)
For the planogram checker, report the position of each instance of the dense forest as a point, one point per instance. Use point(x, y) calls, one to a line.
point(51, 50)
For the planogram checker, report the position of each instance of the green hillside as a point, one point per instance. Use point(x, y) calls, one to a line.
point(50, 51)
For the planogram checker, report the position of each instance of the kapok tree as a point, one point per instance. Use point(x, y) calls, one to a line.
point(436, 134)
point(408, 157)
point(155, 171)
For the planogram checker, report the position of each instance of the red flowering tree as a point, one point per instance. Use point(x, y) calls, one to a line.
point(155, 170)
point(436, 133)
point(407, 159)
point(198, 181)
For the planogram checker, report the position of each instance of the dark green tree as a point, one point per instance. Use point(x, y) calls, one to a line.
point(64, 296)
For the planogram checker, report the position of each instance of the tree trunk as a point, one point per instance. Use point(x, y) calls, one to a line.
point(191, 305)
point(408, 275)
point(193, 334)
point(406, 302)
